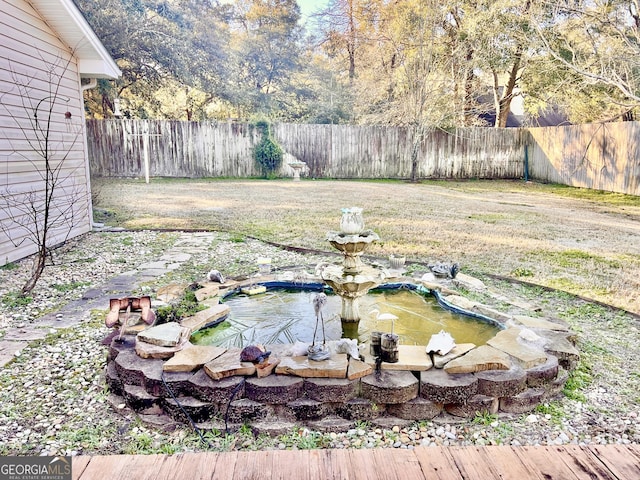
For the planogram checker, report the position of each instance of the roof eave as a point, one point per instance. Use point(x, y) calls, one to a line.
point(93, 59)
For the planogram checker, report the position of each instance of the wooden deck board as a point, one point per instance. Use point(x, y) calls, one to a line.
point(285, 469)
point(396, 464)
point(582, 461)
point(509, 465)
point(623, 461)
point(436, 463)
point(605, 462)
point(475, 462)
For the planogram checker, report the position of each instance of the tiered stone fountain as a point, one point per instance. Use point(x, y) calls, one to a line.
point(353, 279)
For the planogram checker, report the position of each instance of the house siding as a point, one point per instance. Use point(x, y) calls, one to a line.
point(34, 66)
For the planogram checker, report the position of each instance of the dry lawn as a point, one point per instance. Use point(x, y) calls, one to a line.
point(583, 242)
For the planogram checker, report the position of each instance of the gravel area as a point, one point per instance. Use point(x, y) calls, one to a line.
point(53, 398)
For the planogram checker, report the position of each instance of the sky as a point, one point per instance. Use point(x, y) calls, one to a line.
point(307, 7)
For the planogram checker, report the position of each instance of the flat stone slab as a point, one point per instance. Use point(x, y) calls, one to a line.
point(460, 301)
point(27, 334)
point(439, 361)
point(534, 322)
point(171, 292)
point(159, 265)
point(410, 357)
point(478, 360)
point(207, 292)
point(149, 350)
point(358, 369)
point(334, 367)
point(508, 342)
point(8, 351)
point(559, 345)
point(176, 257)
point(165, 335)
point(468, 282)
point(205, 318)
point(430, 281)
point(192, 357)
point(492, 313)
point(229, 364)
point(264, 370)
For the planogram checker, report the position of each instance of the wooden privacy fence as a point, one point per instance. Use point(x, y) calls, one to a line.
point(599, 156)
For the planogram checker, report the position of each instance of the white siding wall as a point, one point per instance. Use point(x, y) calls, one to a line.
point(35, 68)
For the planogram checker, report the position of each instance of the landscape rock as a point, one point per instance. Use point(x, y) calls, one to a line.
point(509, 342)
point(192, 357)
point(536, 322)
point(479, 359)
point(228, 364)
point(390, 387)
point(439, 361)
point(149, 350)
point(502, 383)
point(440, 387)
point(274, 389)
point(477, 404)
point(522, 402)
point(164, 335)
point(331, 389)
point(205, 318)
point(334, 367)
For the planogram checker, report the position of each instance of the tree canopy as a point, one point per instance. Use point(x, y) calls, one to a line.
point(420, 63)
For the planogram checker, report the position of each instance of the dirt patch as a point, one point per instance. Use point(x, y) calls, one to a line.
point(537, 233)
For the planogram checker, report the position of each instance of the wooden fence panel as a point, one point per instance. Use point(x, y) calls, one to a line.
point(598, 156)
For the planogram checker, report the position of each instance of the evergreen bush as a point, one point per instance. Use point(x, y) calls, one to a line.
point(267, 153)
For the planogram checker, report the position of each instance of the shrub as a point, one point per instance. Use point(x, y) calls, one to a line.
point(267, 153)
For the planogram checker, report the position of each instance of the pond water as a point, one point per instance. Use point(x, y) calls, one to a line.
point(281, 316)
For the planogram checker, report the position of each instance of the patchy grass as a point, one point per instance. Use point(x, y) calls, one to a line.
point(524, 230)
point(554, 409)
point(68, 287)
point(15, 300)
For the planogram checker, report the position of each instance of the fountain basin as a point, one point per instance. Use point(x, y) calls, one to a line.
point(398, 395)
point(285, 315)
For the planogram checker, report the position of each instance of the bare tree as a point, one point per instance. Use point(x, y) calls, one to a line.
point(49, 207)
point(407, 84)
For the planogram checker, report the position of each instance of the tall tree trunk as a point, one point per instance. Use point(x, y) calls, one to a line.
point(418, 138)
point(503, 102)
point(351, 44)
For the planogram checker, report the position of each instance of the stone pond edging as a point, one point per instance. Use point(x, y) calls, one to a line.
point(523, 365)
